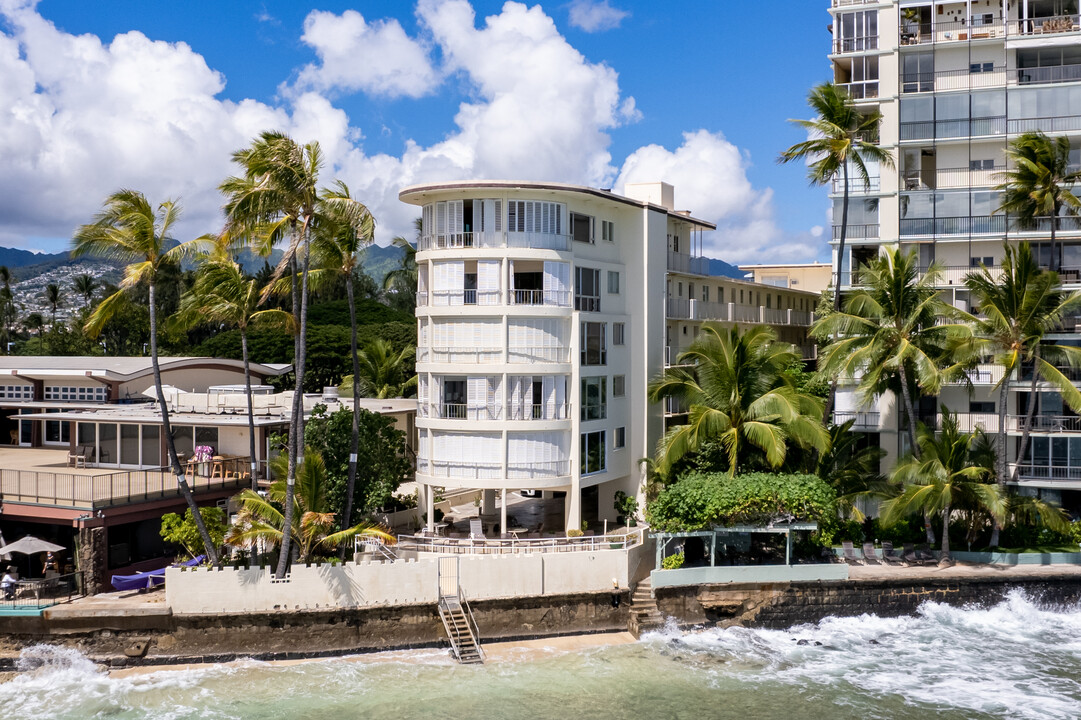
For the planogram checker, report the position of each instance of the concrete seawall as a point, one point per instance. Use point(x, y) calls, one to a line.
point(781, 605)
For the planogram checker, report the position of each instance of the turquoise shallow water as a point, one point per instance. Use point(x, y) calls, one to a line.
point(1015, 660)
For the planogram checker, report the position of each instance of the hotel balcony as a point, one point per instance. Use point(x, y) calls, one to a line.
point(688, 264)
point(549, 298)
point(930, 31)
point(464, 355)
point(1048, 473)
point(856, 184)
point(532, 471)
point(857, 232)
point(514, 411)
point(864, 421)
point(489, 298)
point(492, 239)
point(865, 90)
point(995, 76)
point(689, 309)
point(945, 178)
point(864, 43)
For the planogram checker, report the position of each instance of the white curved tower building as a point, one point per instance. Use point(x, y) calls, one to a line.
point(543, 310)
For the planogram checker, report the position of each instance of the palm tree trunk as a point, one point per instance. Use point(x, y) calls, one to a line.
point(1030, 413)
point(945, 534)
point(1003, 464)
point(841, 244)
point(170, 443)
point(251, 411)
point(295, 441)
point(909, 410)
point(354, 439)
point(1054, 229)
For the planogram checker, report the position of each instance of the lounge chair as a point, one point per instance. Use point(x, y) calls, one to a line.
point(869, 555)
point(914, 558)
point(850, 553)
point(923, 552)
point(476, 529)
point(889, 555)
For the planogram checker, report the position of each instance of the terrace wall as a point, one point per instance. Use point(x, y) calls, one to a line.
point(405, 582)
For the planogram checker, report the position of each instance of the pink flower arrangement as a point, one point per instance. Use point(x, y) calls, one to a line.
point(203, 453)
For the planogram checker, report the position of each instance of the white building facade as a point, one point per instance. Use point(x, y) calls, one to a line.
point(955, 81)
point(543, 311)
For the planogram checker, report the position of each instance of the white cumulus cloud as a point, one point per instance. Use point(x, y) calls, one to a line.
point(82, 116)
point(595, 15)
point(375, 57)
point(710, 177)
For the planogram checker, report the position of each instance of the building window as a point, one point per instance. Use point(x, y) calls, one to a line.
point(613, 282)
point(720, 294)
point(986, 67)
point(975, 262)
point(987, 164)
point(587, 289)
point(17, 392)
point(617, 333)
point(581, 228)
point(981, 407)
point(594, 398)
point(608, 230)
point(619, 383)
point(82, 394)
point(620, 440)
point(594, 343)
point(705, 293)
point(768, 300)
point(592, 452)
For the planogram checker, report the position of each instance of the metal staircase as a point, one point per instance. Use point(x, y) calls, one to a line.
point(457, 618)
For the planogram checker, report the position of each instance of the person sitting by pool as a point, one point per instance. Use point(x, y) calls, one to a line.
point(7, 583)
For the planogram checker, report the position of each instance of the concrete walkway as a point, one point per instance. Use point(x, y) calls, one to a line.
point(959, 570)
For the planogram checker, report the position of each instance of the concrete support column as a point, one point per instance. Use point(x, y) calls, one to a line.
point(487, 505)
point(503, 513)
point(572, 509)
point(429, 504)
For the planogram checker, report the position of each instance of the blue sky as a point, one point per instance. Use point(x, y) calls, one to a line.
point(96, 110)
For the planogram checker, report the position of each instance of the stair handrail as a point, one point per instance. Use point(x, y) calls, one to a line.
point(470, 622)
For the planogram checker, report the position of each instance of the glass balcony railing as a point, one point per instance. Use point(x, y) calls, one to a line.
point(684, 263)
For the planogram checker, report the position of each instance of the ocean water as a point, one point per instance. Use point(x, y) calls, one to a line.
point(1015, 660)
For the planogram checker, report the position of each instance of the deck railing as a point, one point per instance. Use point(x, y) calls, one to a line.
point(125, 487)
point(42, 592)
point(514, 546)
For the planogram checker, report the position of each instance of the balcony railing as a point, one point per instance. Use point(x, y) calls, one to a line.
point(689, 309)
point(866, 90)
point(1054, 25)
point(855, 44)
point(959, 128)
point(470, 240)
point(445, 298)
point(856, 184)
point(460, 469)
point(675, 406)
point(941, 80)
point(850, 3)
point(538, 411)
point(464, 411)
point(552, 298)
point(1048, 472)
point(1046, 423)
point(678, 308)
point(970, 422)
point(952, 31)
point(466, 355)
point(867, 231)
point(861, 420)
point(1045, 75)
point(537, 470)
point(970, 225)
point(683, 263)
point(963, 177)
point(587, 303)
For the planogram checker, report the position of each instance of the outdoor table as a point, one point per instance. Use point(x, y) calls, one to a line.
point(515, 530)
point(440, 528)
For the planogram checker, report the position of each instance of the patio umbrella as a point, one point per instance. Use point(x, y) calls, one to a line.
point(30, 545)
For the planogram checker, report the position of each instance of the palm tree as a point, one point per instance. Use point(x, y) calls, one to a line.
point(945, 478)
point(1015, 310)
point(35, 321)
point(850, 466)
point(85, 285)
point(348, 228)
point(54, 298)
point(403, 279)
point(1040, 183)
point(133, 231)
point(312, 521)
point(382, 371)
point(843, 138)
point(278, 199)
point(890, 334)
point(223, 294)
point(737, 393)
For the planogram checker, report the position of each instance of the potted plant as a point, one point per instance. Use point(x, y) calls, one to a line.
point(627, 507)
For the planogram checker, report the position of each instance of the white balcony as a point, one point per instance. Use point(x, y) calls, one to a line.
point(471, 240)
point(464, 355)
point(683, 263)
point(538, 411)
point(537, 353)
point(548, 298)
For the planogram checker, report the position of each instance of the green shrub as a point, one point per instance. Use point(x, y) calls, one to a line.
point(702, 500)
point(182, 531)
point(673, 562)
point(626, 505)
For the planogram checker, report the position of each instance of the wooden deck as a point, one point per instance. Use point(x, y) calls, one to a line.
point(42, 477)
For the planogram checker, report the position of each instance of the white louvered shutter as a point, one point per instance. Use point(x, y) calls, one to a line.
point(477, 397)
point(549, 397)
point(422, 394)
point(455, 279)
point(488, 282)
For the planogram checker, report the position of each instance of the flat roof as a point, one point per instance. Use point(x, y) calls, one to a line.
point(120, 369)
point(418, 191)
point(786, 265)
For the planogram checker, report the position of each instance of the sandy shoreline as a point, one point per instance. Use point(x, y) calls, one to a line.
point(495, 652)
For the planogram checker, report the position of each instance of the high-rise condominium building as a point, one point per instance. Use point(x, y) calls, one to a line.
point(543, 310)
point(955, 81)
